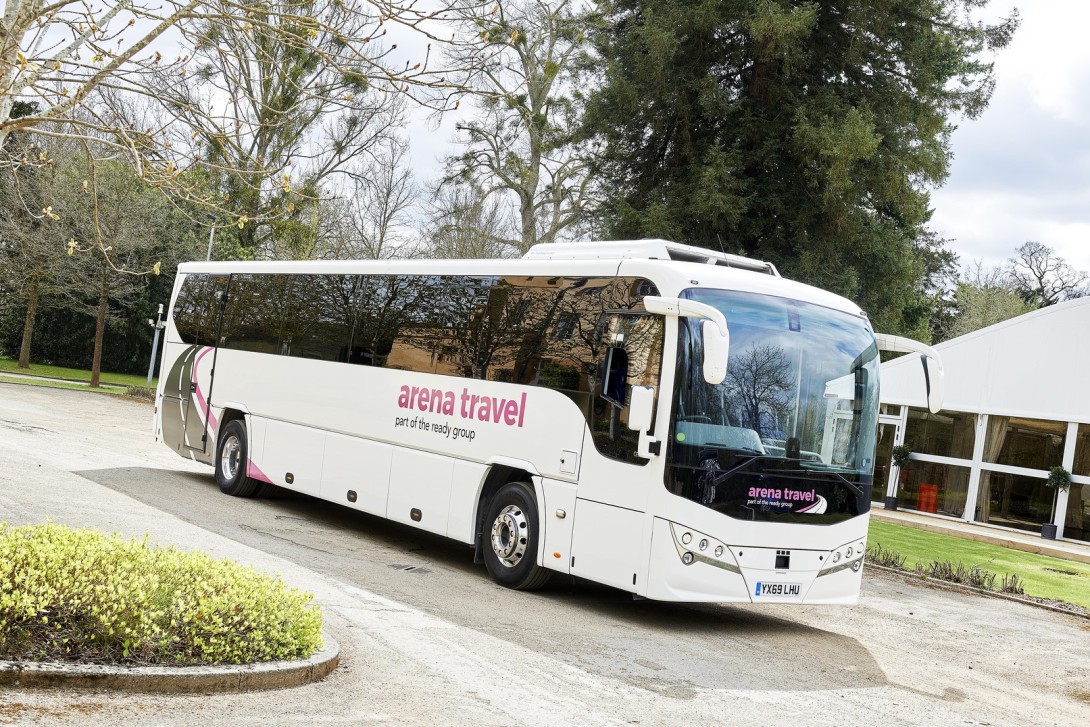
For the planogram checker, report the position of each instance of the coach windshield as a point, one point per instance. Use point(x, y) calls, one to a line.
point(788, 436)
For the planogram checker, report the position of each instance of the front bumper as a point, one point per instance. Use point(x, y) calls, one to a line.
point(687, 565)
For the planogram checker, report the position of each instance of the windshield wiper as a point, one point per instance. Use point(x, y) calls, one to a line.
point(730, 448)
point(843, 480)
point(721, 476)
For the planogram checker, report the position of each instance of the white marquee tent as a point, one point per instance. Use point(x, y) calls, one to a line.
point(1033, 367)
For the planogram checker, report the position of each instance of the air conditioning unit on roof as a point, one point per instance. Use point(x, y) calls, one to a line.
point(646, 250)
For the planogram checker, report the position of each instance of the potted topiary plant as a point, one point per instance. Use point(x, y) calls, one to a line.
point(1059, 480)
point(901, 453)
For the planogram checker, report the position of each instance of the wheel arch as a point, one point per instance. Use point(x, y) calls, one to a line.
point(499, 474)
point(230, 413)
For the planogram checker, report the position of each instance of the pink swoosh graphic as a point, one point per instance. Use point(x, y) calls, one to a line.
point(818, 507)
point(252, 470)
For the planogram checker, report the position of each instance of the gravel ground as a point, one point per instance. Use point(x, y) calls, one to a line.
point(441, 644)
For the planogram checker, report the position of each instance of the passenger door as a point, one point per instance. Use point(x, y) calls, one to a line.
point(200, 364)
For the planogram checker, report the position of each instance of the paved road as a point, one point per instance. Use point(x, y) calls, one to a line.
point(427, 638)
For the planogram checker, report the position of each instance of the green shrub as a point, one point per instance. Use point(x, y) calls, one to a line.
point(885, 556)
point(80, 595)
point(146, 393)
point(971, 575)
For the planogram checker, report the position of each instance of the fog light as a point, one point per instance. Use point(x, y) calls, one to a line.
point(718, 551)
point(704, 544)
point(687, 559)
point(857, 565)
point(687, 538)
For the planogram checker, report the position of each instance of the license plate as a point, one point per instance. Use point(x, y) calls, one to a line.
point(766, 588)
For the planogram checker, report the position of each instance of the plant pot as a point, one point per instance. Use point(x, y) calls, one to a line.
point(891, 502)
point(1048, 531)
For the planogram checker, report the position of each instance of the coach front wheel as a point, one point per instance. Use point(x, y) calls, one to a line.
point(232, 455)
point(511, 534)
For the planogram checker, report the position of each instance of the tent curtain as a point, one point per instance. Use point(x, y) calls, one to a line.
point(993, 445)
point(1076, 505)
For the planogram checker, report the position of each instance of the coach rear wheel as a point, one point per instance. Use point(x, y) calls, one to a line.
point(231, 460)
point(511, 534)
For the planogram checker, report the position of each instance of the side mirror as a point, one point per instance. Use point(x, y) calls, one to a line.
point(934, 378)
point(713, 330)
point(641, 408)
point(716, 349)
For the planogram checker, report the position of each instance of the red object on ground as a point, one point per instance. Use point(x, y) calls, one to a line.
point(928, 499)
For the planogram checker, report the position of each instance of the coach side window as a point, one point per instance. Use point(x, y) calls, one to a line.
point(441, 324)
point(595, 322)
point(256, 309)
point(319, 320)
point(196, 311)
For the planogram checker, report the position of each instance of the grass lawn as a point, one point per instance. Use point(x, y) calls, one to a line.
point(60, 372)
point(1044, 576)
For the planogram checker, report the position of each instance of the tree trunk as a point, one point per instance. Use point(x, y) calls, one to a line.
point(28, 324)
point(100, 326)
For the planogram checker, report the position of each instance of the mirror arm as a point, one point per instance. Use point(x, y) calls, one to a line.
point(686, 308)
point(933, 388)
point(900, 344)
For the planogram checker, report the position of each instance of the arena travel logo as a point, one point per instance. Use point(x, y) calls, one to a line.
point(788, 499)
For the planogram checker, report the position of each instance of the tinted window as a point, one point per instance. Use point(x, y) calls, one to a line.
point(196, 311)
point(542, 331)
point(256, 312)
point(323, 312)
point(444, 324)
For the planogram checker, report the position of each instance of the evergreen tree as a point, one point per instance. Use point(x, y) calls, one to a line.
point(804, 133)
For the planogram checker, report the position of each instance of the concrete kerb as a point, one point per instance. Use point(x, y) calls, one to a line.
point(174, 679)
point(58, 380)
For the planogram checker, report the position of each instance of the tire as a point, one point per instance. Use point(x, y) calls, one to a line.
point(511, 532)
point(232, 456)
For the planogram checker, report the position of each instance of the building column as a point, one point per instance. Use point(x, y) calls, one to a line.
point(894, 478)
point(1059, 515)
point(974, 472)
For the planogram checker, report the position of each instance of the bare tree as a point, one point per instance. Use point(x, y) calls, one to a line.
point(760, 379)
point(123, 226)
point(983, 297)
point(249, 78)
point(31, 249)
point(382, 204)
point(1043, 278)
point(464, 222)
point(274, 110)
point(523, 145)
point(57, 54)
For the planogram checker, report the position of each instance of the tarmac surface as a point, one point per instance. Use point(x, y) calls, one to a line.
point(426, 638)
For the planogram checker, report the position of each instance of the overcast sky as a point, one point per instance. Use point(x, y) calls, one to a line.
point(1020, 172)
